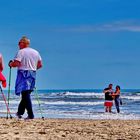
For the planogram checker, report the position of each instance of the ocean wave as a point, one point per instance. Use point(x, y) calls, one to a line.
point(14, 102)
point(92, 115)
point(116, 116)
point(83, 94)
point(131, 97)
point(73, 103)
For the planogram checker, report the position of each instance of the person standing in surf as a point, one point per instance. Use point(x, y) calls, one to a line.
point(108, 98)
point(28, 61)
point(117, 100)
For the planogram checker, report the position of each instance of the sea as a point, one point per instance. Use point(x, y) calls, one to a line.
point(75, 104)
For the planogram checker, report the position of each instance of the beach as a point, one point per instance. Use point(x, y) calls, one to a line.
point(69, 129)
point(73, 115)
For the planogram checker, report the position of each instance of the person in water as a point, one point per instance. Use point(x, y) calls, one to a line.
point(108, 98)
point(28, 61)
point(117, 100)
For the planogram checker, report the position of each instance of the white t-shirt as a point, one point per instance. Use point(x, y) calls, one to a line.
point(29, 58)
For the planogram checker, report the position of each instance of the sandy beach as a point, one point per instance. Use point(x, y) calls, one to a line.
point(69, 129)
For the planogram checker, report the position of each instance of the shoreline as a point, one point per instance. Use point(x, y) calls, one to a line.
point(69, 129)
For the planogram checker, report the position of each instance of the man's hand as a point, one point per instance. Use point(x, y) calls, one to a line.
point(39, 64)
point(14, 63)
point(10, 63)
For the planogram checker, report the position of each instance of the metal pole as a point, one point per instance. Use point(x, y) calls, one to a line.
point(36, 94)
point(8, 110)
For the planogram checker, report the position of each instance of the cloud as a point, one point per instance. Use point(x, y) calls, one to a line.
point(131, 26)
point(117, 26)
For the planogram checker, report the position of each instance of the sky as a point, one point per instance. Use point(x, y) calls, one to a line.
point(84, 44)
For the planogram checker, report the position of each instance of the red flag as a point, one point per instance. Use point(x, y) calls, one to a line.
point(3, 80)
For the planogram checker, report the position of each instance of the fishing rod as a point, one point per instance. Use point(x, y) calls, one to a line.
point(9, 85)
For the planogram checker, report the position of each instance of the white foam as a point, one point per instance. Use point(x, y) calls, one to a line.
point(99, 95)
point(73, 103)
point(131, 97)
point(17, 102)
point(11, 102)
point(116, 116)
point(94, 115)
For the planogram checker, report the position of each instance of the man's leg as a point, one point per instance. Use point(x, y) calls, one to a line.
point(106, 110)
point(21, 107)
point(28, 104)
point(110, 109)
point(117, 105)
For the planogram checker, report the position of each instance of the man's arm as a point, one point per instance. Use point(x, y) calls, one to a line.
point(39, 64)
point(14, 63)
point(106, 90)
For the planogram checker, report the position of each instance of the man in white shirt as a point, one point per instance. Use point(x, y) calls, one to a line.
point(27, 60)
